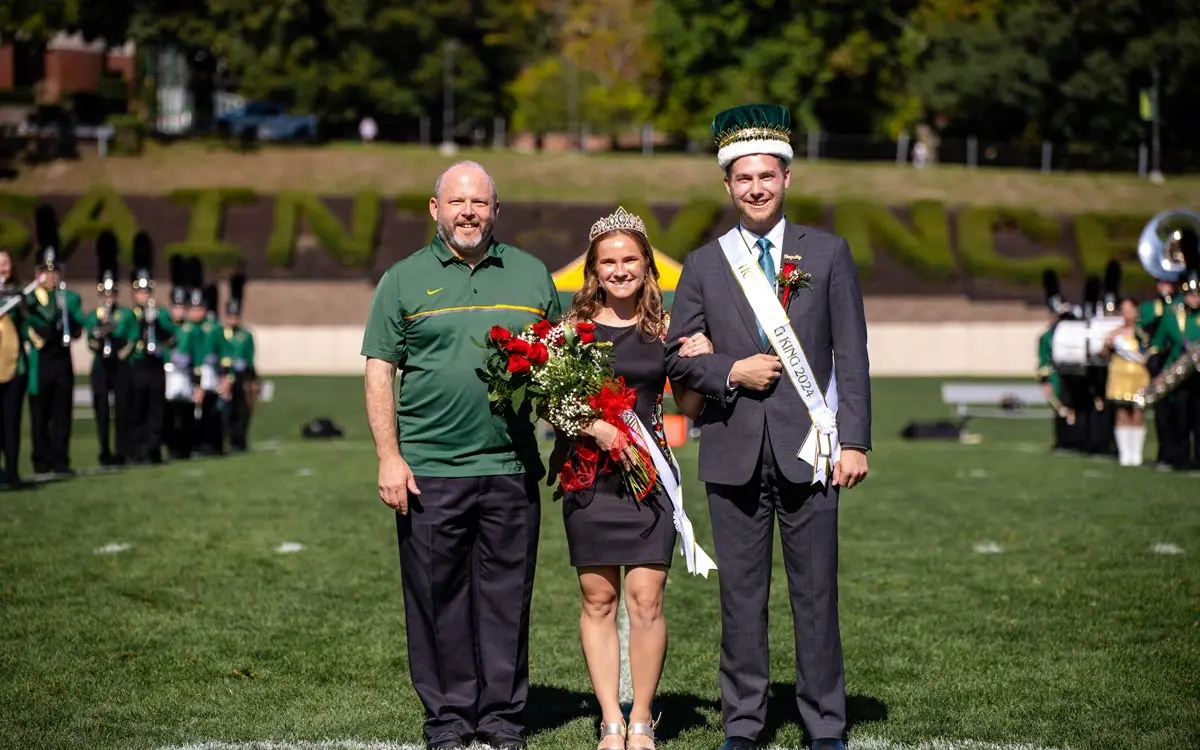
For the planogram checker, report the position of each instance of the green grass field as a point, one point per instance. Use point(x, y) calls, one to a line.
point(992, 596)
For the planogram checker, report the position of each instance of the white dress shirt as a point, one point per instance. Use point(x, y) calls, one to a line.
point(774, 236)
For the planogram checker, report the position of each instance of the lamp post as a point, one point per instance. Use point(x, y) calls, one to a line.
point(448, 145)
point(1156, 175)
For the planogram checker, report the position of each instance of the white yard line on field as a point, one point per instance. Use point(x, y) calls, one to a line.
point(625, 689)
point(857, 743)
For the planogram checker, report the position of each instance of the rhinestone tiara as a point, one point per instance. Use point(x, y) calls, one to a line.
point(619, 219)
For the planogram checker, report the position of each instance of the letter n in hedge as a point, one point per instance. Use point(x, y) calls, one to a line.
point(351, 249)
point(925, 248)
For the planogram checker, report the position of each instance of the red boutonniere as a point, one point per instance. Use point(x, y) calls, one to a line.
point(791, 277)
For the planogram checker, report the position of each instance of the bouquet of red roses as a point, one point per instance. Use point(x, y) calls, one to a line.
point(567, 377)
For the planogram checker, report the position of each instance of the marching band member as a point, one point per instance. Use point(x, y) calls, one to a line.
point(14, 367)
point(242, 392)
point(1096, 430)
point(179, 301)
point(1175, 336)
point(55, 318)
point(1126, 348)
point(183, 379)
point(155, 335)
point(1065, 434)
point(111, 333)
point(1167, 412)
point(208, 355)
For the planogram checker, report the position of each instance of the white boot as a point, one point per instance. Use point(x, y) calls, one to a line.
point(1123, 447)
point(1137, 445)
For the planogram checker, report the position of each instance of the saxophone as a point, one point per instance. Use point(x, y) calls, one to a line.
point(1170, 378)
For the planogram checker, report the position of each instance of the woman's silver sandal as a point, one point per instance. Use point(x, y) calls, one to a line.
point(641, 729)
point(615, 729)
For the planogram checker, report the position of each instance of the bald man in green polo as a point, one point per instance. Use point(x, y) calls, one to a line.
point(463, 481)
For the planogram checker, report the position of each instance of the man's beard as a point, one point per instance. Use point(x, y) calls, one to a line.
point(446, 233)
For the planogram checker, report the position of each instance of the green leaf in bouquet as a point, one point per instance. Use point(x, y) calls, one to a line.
point(518, 396)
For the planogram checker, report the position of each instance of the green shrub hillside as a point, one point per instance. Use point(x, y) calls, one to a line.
point(930, 240)
point(16, 216)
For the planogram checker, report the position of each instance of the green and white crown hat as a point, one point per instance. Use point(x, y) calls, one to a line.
point(752, 129)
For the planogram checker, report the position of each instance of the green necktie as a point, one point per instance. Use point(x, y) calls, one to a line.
point(768, 268)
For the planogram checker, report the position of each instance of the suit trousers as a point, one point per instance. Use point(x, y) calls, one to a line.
point(468, 549)
point(743, 536)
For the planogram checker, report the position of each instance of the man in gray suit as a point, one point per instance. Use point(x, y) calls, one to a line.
point(763, 455)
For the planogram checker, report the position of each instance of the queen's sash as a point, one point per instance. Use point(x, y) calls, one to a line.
point(698, 561)
point(1123, 349)
point(821, 448)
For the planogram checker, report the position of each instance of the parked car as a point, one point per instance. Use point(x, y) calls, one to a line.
point(267, 121)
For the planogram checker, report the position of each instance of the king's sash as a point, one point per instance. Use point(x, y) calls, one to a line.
point(698, 561)
point(821, 448)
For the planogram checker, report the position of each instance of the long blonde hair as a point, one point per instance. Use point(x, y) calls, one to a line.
point(589, 300)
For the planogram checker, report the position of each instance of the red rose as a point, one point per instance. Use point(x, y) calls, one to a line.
point(499, 334)
point(538, 354)
point(518, 365)
point(586, 337)
point(788, 269)
point(541, 328)
point(585, 327)
point(519, 347)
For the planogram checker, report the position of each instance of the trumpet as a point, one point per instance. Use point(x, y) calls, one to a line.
point(152, 331)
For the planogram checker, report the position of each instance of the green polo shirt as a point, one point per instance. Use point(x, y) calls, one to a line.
point(427, 314)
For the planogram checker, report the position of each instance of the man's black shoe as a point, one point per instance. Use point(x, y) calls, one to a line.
point(447, 743)
point(502, 743)
point(739, 743)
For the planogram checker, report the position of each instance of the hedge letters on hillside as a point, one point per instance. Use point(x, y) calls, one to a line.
point(934, 242)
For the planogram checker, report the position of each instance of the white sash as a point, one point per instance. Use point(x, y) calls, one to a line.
point(697, 559)
point(821, 448)
point(1123, 349)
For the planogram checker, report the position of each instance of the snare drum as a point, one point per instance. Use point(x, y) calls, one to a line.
point(179, 382)
point(1077, 343)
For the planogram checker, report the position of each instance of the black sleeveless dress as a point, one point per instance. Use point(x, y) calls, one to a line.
point(605, 524)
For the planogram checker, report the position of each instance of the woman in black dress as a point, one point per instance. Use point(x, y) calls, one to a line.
point(608, 529)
